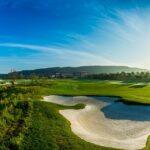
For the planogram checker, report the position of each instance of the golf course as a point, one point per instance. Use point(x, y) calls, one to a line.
point(74, 74)
point(46, 112)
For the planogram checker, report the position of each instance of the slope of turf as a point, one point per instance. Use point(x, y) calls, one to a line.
point(49, 130)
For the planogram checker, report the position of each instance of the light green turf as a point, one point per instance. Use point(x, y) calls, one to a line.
point(135, 92)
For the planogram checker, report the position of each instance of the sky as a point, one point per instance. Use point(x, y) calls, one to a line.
point(49, 33)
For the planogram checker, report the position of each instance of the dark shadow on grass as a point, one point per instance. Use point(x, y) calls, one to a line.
point(138, 86)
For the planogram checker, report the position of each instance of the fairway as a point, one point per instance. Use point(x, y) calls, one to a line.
point(131, 92)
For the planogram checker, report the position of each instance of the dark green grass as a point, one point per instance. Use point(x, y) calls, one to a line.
point(51, 131)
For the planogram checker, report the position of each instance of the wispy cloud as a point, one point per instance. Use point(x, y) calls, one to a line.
point(30, 47)
point(53, 56)
point(117, 37)
point(123, 37)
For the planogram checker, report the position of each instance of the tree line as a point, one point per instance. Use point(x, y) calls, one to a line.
point(123, 76)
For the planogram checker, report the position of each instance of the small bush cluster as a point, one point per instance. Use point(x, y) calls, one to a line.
point(15, 114)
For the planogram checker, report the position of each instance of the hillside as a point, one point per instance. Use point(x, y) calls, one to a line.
point(76, 71)
point(72, 71)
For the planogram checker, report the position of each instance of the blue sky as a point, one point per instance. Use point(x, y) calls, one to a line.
point(48, 33)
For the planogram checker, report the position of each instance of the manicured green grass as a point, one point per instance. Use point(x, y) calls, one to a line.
point(51, 131)
point(132, 92)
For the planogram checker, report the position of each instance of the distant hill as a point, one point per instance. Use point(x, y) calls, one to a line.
point(78, 71)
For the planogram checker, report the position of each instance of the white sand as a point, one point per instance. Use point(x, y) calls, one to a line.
point(91, 125)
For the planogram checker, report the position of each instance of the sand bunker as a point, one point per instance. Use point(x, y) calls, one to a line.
point(94, 125)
